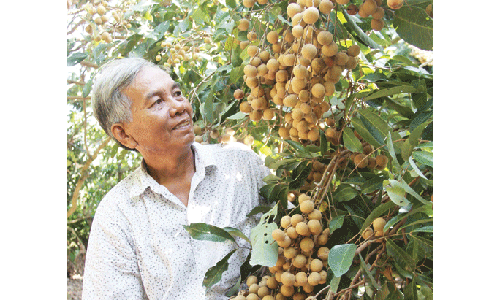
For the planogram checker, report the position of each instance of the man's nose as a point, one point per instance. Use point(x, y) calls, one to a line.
point(178, 107)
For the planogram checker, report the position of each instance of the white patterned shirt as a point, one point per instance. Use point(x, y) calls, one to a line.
point(138, 247)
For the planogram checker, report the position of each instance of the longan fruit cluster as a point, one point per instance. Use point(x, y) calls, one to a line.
point(302, 254)
point(368, 8)
point(179, 51)
point(363, 160)
point(99, 22)
point(295, 72)
point(377, 230)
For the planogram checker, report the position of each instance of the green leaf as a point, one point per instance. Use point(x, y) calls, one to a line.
point(344, 192)
point(87, 88)
point(264, 248)
point(323, 143)
point(354, 29)
point(415, 168)
point(351, 142)
point(340, 258)
point(336, 223)
point(423, 246)
point(214, 274)
point(396, 194)
point(236, 232)
point(414, 26)
point(416, 134)
point(75, 58)
point(367, 272)
point(299, 174)
point(402, 184)
point(372, 185)
point(402, 258)
point(391, 91)
point(259, 209)
point(377, 212)
point(392, 152)
point(334, 284)
point(202, 231)
point(423, 157)
point(424, 229)
point(231, 3)
point(363, 131)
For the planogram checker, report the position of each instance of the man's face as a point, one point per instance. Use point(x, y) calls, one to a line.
point(161, 115)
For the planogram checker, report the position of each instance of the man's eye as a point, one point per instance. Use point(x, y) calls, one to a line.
point(177, 93)
point(158, 101)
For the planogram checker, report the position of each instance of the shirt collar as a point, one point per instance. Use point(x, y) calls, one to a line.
point(141, 180)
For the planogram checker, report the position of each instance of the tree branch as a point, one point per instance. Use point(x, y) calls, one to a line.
point(83, 177)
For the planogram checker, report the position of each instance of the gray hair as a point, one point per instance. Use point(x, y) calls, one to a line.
point(109, 104)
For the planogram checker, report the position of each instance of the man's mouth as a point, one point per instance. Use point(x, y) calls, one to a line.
point(182, 124)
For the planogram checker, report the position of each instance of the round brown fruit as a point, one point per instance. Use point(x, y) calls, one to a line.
point(248, 3)
point(395, 4)
point(360, 161)
point(243, 25)
point(376, 24)
point(378, 224)
point(311, 15)
point(278, 235)
point(353, 50)
point(367, 233)
point(307, 206)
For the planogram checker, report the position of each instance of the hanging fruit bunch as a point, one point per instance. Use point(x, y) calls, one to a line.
point(291, 75)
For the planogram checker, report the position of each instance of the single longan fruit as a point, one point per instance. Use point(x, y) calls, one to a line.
point(292, 232)
point(269, 297)
point(253, 288)
point(292, 9)
point(316, 265)
point(250, 71)
point(296, 219)
point(342, 1)
point(263, 291)
point(252, 50)
point(301, 278)
point(278, 235)
point(381, 160)
point(302, 229)
point(325, 37)
point(311, 15)
point(303, 197)
point(315, 215)
point(297, 31)
point(286, 290)
point(272, 283)
point(286, 242)
point(378, 14)
point(372, 163)
point(322, 239)
point(330, 49)
point(314, 227)
point(379, 233)
point(245, 107)
point(341, 58)
point(318, 90)
point(325, 6)
point(272, 37)
point(308, 288)
point(299, 261)
point(248, 3)
point(314, 278)
point(251, 280)
point(268, 114)
point(369, 6)
point(244, 44)
point(378, 224)
point(252, 36)
point(288, 279)
point(290, 100)
point(243, 25)
point(367, 233)
point(290, 252)
point(285, 220)
point(284, 134)
point(306, 244)
point(240, 297)
point(307, 206)
point(279, 296)
point(377, 25)
point(323, 253)
point(238, 94)
point(360, 161)
point(253, 296)
point(299, 296)
point(313, 135)
point(395, 4)
point(309, 51)
point(353, 50)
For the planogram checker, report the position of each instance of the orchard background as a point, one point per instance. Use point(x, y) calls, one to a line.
point(347, 126)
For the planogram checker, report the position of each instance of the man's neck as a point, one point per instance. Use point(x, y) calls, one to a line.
point(172, 167)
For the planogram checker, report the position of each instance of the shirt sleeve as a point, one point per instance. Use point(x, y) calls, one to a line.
point(111, 269)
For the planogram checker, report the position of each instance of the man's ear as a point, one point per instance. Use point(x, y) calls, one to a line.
point(119, 132)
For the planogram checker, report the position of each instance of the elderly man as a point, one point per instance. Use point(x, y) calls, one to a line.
point(138, 247)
